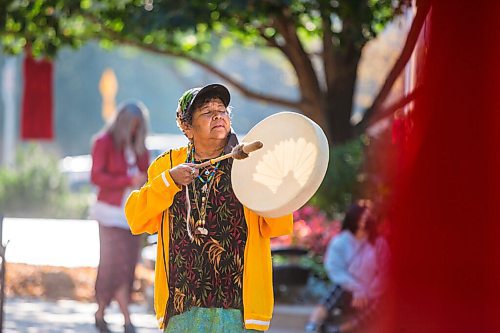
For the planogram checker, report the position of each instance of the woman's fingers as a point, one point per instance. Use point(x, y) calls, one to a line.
point(193, 171)
point(184, 173)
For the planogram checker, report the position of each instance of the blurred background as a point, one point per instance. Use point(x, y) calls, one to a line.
point(349, 65)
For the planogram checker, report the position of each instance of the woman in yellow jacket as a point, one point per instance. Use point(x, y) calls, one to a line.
point(213, 269)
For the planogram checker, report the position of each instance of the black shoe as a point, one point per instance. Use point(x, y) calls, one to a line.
point(102, 325)
point(129, 328)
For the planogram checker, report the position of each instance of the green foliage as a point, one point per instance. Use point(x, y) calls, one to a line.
point(45, 26)
point(36, 188)
point(184, 26)
point(343, 179)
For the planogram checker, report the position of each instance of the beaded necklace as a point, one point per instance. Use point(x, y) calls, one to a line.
point(207, 172)
point(201, 205)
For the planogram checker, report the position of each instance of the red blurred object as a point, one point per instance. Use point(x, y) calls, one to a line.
point(312, 230)
point(37, 104)
point(445, 216)
point(399, 130)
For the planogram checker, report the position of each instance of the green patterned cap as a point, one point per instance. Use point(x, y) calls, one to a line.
point(189, 97)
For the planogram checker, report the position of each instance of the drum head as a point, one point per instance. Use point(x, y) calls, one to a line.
point(282, 176)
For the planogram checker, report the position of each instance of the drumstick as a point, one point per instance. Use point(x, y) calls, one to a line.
point(239, 152)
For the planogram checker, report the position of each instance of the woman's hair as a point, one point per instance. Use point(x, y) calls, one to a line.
point(354, 214)
point(121, 126)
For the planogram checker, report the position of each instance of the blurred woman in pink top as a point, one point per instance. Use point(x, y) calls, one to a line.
point(356, 261)
point(119, 165)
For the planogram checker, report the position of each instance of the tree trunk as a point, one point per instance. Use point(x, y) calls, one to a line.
point(338, 101)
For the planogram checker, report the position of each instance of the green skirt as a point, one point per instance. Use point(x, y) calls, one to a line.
point(207, 320)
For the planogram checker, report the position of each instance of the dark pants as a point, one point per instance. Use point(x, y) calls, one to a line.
point(341, 316)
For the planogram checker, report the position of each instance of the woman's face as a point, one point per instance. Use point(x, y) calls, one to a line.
point(363, 219)
point(210, 122)
point(134, 126)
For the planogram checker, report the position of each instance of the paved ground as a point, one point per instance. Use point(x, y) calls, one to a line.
point(37, 316)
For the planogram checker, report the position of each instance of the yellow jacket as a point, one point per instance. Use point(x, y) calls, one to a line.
point(147, 211)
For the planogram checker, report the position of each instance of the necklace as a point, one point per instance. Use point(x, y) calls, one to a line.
point(201, 205)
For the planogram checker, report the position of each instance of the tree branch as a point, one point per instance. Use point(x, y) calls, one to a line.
point(224, 76)
point(327, 54)
point(400, 103)
point(270, 40)
point(411, 41)
point(206, 66)
point(294, 51)
point(209, 68)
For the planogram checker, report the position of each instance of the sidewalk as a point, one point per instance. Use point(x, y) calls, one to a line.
point(66, 316)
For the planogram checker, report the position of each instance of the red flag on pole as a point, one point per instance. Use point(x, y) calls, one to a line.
point(36, 117)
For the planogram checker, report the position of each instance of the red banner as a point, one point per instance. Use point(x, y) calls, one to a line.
point(37, 103)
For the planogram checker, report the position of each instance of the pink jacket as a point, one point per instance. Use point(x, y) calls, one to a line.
point(109, 170)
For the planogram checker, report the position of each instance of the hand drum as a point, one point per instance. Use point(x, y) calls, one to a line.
point(283, 175)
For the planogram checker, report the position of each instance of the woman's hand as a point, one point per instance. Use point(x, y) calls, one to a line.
point(139, 179)
point(359, 302)
point(184, 173)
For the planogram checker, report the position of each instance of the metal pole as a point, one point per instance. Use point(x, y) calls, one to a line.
point(9, 124)
point(2, 274)
point(1, 230)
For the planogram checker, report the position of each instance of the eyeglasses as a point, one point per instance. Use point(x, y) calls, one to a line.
point(213, 113)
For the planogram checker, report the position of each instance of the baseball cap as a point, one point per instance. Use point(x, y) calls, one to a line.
point(191, 96)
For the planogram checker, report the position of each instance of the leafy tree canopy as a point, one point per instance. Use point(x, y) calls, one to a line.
point(321, 39)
